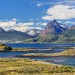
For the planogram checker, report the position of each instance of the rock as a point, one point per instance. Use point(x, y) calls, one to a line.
point(4, 48)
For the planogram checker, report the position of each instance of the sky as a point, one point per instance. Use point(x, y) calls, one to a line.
point(23, 15)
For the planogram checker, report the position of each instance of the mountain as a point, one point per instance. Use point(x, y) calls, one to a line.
point(13, 35)
point(11, 30)
point(72, 27)
point(2, 30)
point(54, 26)
point(34, 32)
point(54, 32)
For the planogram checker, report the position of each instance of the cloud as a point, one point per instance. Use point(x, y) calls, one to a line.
point(63, 12)
point(14, 19)
point(26, 24)
point(31, 19)
point(12, 24)
point(39, 5)
point(41, 24)
point(23, 27)
point(7, 23)
point(67, 2)
point(69, 22)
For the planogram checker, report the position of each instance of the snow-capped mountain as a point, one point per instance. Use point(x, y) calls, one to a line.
point(34, 31)
point(54, 26)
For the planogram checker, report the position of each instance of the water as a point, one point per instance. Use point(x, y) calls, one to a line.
point(56, 60)
point(13, 54)
point(38, 45)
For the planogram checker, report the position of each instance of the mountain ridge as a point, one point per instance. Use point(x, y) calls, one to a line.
point(54, 32)
point(54, 26)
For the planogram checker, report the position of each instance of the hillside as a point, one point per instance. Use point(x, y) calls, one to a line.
point(13, 35)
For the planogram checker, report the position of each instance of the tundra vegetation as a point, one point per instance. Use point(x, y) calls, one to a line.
point(24, 66)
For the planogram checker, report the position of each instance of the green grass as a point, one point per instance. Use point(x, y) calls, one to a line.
point(19, 66)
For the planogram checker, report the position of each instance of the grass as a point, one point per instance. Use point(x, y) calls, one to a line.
point(23, 49)
point(23, 66)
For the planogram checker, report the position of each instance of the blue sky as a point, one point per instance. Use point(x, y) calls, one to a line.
point(26, 14)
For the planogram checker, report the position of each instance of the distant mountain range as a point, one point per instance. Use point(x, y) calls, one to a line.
point(13, 35)
point(54, 32)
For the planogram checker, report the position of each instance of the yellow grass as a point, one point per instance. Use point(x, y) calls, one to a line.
point(19, 66)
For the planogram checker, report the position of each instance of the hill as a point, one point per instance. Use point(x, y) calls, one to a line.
point(13, 35)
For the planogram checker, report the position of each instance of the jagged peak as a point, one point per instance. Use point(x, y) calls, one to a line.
point(2, 30)
point(54, 20)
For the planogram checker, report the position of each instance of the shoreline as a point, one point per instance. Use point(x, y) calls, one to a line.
point(42, 56)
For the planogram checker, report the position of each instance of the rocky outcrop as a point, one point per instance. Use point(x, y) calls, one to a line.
point(4, 48)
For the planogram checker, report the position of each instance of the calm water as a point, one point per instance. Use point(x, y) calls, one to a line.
point(39, 45)
point(56, 60)
point(13, 54)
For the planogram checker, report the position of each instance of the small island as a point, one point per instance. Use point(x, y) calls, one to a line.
point(65, 53)
point(5, 48)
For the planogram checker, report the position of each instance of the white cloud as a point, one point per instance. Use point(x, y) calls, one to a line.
point(7, 23)
point(22, 28)
point(60, 12)
point(26, 24)
point(39, 5)
point(43, 24)
point(14, 19)
point(12, 24)
point(69, 22)
point(31, 19)
point(67, 2)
